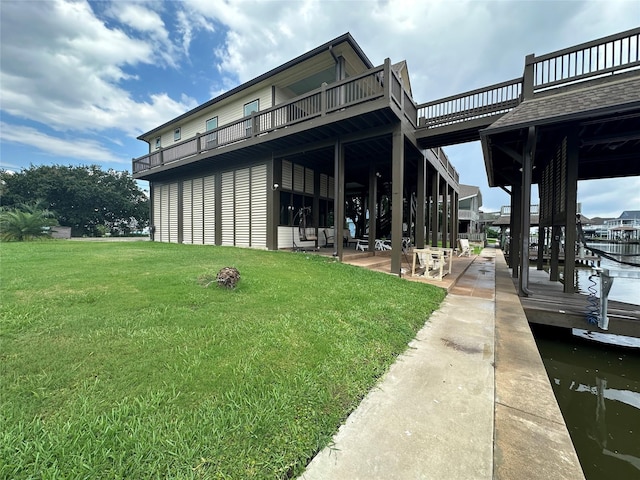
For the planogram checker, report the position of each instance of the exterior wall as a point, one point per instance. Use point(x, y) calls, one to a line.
point(241, 215)
point(227, 112)
point(198, 210)
point(165, 211)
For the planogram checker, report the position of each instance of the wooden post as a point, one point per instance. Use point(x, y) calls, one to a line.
point(528, 77)
point(554, 264)
point(445, 212)
point(274, 176)
point(516, 212)
point(421, 199)
point(542, 239)
point(397, 184)
point(525, 212)
point(570, 235)
point(373, 195)
point(338, 206)
point(455, 221)
point(435, 195)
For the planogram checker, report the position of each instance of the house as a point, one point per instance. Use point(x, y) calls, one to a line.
point(625, 227)
point(469, 204)
point(272, 163)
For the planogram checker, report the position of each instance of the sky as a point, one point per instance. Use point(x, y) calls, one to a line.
point(79, 81)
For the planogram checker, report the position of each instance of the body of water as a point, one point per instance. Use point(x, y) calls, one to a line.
point(598, 386)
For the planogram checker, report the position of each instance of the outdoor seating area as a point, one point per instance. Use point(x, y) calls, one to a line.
point(434, 262)
point(380, 244)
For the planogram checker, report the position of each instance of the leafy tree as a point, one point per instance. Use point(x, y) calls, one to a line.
point(85, 198)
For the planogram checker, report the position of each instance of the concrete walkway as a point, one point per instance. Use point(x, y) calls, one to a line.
point(432, 415)
point(470, 398)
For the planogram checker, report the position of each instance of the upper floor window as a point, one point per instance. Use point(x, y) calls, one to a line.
point(211, 139)
point(249, 108)
point(158, 142)
point(212, 123)
point(176, 134)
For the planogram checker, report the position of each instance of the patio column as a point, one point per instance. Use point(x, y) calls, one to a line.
point(435, 196)
point(455, 221)
point(373, 199)
point(338, 202)
point(516, 212)
point(570, 235)
point(525, 213)
point(397, 184)
point(542, 239)
point(421, 199)
point(445, 212)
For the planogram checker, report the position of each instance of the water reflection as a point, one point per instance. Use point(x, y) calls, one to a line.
point(598, 391)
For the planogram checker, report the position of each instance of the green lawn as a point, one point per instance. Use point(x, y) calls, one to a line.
point(118, 363)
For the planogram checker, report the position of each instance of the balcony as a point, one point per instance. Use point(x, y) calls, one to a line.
point(322, 102)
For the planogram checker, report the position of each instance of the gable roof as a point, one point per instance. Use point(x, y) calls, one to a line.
point(629, 214)
point(468, 191)
point(345, 38)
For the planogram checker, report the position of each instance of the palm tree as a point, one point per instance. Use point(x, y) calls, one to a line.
point(17, 225)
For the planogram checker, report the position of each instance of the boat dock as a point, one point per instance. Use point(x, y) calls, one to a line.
point(550, 305)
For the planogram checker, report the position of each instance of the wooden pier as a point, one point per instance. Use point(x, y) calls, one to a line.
point(549, 305)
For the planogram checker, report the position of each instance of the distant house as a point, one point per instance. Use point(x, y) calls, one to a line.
point(625, 227)
point(469, 205)
point(271, 163)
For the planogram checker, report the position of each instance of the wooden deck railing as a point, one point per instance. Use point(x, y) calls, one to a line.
point(479, 103)
point(322, 101)
point(605, 56)
point(596, 58)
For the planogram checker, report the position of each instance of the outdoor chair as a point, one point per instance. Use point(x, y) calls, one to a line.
point(329, 237)
point(347, 239)
point(465, 249)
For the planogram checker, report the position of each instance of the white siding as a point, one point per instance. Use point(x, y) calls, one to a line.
point(227, 112)
point(164, 213)
point(173, 213)
point(243, 208)
point(157, 211)
point(209, 210)
point(227, 209)
point(187, 211)
point(259, 206)
point(197, 211)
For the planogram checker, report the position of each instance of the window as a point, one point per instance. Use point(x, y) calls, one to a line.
point(176, 134)
point(212, 123)
point(249, 108)
point(211, 139)
point(158, 143)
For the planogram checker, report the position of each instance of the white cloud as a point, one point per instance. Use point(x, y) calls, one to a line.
point(64, 67)
point(86, 150)
point(609, 197)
